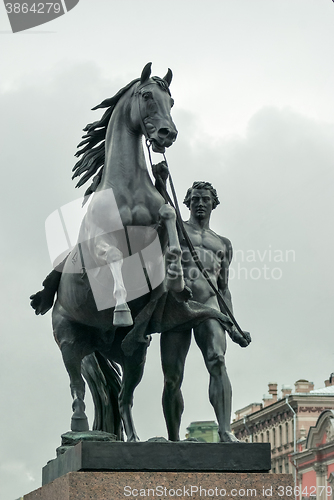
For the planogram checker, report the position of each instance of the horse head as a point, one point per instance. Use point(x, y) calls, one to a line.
point(145, 104)
point(151, 113)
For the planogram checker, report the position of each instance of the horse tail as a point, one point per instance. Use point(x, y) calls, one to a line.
point(104, 381)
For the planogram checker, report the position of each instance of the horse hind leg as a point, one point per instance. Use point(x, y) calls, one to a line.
point(72, 361)
point(133, 368)
point(67, 335)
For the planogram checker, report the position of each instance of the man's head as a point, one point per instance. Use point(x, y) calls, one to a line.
point(202, 185)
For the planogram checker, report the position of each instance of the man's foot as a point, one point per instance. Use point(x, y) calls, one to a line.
point(228, 437)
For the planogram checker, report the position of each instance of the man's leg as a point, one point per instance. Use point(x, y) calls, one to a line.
point(211, 339)
point(174, 349)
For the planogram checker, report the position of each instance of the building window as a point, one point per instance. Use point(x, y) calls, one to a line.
point(256, 438)
point(268, 440)
point(280, 436)
point(287, 432)
point(274, 437)
point(261, 437)
point(286, 467)
point(280, 469)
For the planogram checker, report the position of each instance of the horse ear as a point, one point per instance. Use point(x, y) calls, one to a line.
point(146, 73)
point(168, 77)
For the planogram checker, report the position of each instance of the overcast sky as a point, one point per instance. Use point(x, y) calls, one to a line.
point(253, 88)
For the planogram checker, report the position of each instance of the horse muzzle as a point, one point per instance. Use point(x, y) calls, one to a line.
point(162, 138)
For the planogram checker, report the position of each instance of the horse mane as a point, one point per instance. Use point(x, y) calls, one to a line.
point(92, 150)
point(93, 146)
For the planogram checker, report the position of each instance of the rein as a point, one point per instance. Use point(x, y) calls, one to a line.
point(190, 245)
point(179, 221)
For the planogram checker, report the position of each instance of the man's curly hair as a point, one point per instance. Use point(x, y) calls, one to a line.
point(202, 185)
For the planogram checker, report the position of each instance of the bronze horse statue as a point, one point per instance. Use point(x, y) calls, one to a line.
point(126, 216)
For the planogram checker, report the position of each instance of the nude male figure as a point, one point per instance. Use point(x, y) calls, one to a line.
point(215, 253)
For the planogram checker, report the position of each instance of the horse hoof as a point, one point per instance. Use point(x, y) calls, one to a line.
point(133, 439)
point(79, 424)
point(122, 316)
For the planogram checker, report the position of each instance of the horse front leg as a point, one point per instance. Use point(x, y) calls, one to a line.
point(107, 253)
point(174, 272)
point(122, 313)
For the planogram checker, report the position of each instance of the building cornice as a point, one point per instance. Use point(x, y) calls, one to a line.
point(273, 410)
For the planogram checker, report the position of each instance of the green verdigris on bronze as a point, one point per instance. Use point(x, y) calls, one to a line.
point(71, 438)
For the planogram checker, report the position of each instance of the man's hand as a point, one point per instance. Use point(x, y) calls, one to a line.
point(183, 296)
point(240, 339)
point(160, 169)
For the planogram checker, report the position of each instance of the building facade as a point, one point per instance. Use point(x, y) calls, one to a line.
point(203, 430)
point(314, 460)
point(284, 421)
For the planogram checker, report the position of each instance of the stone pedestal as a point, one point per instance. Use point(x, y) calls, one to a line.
point(115, 470)
point(165, 485)
point(97, 456)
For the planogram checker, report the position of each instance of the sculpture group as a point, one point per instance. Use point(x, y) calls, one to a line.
point(100, 321)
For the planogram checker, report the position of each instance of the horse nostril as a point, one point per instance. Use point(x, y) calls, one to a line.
point(167, 134)
point(163, 133)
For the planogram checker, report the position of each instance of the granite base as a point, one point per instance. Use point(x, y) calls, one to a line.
point(165, 485)
point(147, 456)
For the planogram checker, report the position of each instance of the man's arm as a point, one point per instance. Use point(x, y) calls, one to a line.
point(223, 287)
point(222, 281)
point(160, 173)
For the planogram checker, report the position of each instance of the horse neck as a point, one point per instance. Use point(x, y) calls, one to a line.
point(125, 163)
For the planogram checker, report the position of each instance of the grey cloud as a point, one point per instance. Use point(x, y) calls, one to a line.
point(275, 189)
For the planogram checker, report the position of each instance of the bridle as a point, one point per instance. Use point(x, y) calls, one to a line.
point(137, 95)
point(191, 247)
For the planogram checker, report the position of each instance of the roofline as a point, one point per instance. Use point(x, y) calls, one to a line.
point(281, 402)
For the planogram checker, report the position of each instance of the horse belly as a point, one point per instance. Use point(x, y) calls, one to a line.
point(76, 298)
